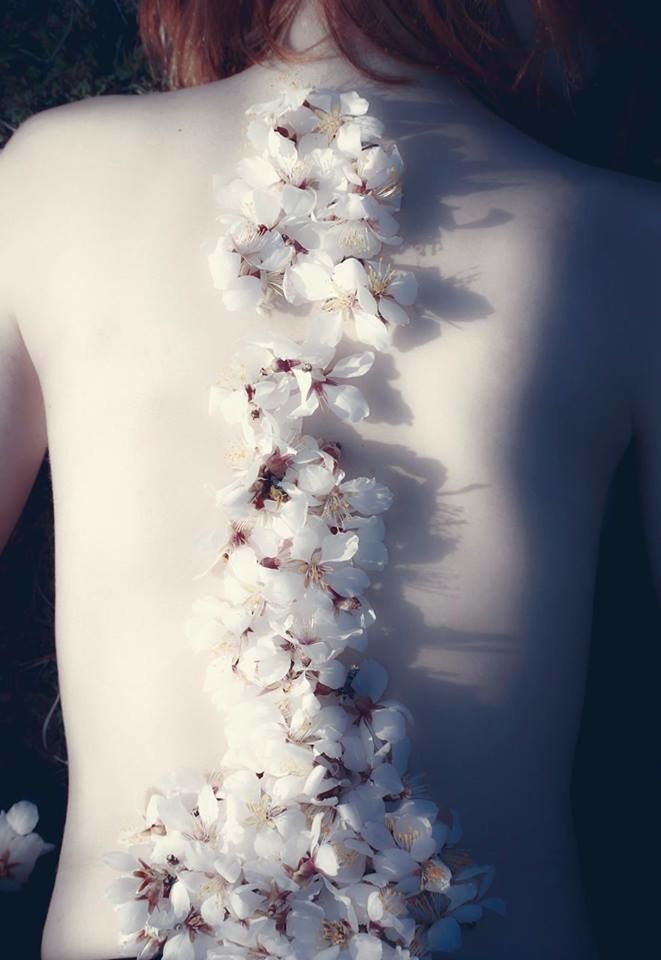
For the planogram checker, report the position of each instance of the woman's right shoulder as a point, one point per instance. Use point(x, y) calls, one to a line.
point(80, 125)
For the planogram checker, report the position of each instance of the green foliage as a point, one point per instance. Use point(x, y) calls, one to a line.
point(51, 53)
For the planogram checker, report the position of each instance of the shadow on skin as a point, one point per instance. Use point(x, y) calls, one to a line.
point(433, 668)
point(471, 749)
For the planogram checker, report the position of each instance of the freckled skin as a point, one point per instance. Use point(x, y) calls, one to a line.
point(497, 420)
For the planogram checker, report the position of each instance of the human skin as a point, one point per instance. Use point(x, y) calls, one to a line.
point(497, 420)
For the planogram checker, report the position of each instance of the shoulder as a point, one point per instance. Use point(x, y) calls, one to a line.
point(606, 225)
point(68, 135)
point(56, 167)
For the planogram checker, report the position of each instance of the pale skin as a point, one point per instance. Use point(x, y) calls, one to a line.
point(498, 419)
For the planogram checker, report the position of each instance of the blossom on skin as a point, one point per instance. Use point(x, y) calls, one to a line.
point(308, 838)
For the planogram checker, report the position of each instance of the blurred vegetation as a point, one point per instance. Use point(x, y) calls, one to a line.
point(51, 53)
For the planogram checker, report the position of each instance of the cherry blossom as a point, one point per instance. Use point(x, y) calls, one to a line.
point(308, 838)
point(20, 846)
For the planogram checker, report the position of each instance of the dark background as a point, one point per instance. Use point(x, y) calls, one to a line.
point(52, 52)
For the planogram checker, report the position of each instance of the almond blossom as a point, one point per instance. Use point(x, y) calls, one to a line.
point(307, 838)
point(20, 846)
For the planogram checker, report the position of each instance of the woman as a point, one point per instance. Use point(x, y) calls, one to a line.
point(499, 418)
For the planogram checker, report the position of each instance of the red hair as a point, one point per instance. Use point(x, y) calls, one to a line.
point(196, 41)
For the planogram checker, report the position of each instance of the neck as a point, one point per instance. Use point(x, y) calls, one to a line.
point(322, 64)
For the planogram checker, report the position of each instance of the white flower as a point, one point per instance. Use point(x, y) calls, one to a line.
point(342, 120)
point(319, 385)
point(20, 846)
point(305, 840)
point(323, 560)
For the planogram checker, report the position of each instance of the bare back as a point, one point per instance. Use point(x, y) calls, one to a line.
point(497, 420)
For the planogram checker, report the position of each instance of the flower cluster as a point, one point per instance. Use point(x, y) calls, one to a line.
point(20, 846)
point(310, 839)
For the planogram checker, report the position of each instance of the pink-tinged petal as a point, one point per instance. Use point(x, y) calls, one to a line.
point(444, 935)
point(304, 544)
point(371, 680)
point(224, 265)
point(122, 890)
point(326, 860)
point(304, 382)
point(372, 330)
point(311, 280)
point(354, 365)
point(332, 953)
point(354, 238)
point(387, 781)
point(131, 916)
point(349, 139)
point(367, 496)
point(404, 288)
point(329, 328)
point(212, 911)
point(207, 805)
point(179, 899)
point(350, 275)
point(297, 202)
point(118, 860)
point(257, 133)
point(229, 404)
point(354, 206)
point(348, 581)
point(265, 207)
point(375, 906)
point(228, 866)
point(315, 479)
point(424, 848)
point(229, 196)
point(302, 119)
point(323, 101)
point(23, 817)
point(395, 863)
point(371, 555)
point(282, 148)
point(363, 946)
point(386, 225)
point(244, 294)
point(332, 674)
point(304, 921)
point(378, 835)
point(391, 311)
point(460, 893)
point(173, 814)
point(180, 947)
point(346, 402)
point(258, 172)
point(388, 725)
point(353, 754)
point(338, 547)
point(244, 901)
point(366, 300)
point(352, 104)
point(469, 913)
point(400, 753)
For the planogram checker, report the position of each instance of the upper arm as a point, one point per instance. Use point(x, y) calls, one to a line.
point(22, 419)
